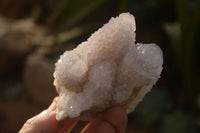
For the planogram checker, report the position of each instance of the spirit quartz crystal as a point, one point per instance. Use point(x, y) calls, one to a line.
point(106, 70)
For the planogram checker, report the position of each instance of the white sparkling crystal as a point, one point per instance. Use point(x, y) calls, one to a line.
point(108, 69)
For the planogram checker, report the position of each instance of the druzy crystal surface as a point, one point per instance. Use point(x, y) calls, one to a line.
point(108, 69)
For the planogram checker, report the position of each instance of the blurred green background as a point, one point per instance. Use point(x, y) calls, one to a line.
point(33, 33)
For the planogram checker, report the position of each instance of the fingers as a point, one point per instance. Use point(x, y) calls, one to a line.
point(46, 122)
point(98, 126)
point(117, 117)
point(114, 121)
point(67, 126)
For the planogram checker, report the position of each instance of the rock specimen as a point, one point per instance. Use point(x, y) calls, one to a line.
point(108, 69)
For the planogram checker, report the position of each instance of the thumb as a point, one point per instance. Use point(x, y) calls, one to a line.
point(46, 122)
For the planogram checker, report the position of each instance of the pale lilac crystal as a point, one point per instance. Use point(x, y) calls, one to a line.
point(108, 69)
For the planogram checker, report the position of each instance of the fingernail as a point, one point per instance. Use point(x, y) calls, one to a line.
point(52, 107)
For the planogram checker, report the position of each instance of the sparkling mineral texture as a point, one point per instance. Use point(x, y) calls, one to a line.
point(108, 69)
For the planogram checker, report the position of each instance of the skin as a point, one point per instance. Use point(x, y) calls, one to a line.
point(114, 120)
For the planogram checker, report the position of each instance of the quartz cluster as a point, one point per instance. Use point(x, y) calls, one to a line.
point(108, 69)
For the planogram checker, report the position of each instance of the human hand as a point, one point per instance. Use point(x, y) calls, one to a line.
point(114, 120)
